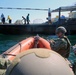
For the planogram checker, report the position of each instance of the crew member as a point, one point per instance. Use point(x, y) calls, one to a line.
point(62, 44)
point(24, 19)
point(9, 18)
point(27, 19)
point(2, 18)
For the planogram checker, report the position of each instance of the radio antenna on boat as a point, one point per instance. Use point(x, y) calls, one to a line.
point(24, 8)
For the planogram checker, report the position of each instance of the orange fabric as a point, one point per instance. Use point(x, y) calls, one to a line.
point(25, 45)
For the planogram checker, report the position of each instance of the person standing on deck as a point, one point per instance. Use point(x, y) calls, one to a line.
point(2, 18)
point(9, 18)
point(27, 19)
point(24, 19)
point(62, 44)
point(63, 17)
point(49, 16)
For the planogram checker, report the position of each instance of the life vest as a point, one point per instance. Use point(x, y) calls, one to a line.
point(64, 51)
point(68, 46)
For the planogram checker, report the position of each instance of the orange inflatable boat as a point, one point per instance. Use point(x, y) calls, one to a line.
point(25, 45)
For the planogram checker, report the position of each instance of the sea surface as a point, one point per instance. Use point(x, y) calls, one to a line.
point(7, 41)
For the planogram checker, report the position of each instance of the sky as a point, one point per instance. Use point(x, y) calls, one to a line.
point(34, 14)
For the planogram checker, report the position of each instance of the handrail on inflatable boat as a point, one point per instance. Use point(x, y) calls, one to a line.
point(7, 52)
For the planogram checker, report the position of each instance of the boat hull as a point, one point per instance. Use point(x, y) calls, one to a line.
point(35, 29)
point(25, 45)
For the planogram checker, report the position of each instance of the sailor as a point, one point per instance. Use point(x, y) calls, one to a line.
point(24, 19)
point(27, 19)
point(49, 16)
point(2, 18)
point(61, 44)
point(9, 18)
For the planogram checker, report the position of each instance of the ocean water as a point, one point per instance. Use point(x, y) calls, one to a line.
point(7, 41)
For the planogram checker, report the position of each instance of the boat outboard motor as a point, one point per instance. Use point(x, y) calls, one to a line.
point(39, 61)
